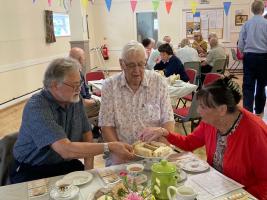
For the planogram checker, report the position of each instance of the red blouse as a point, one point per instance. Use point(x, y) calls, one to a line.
point(245, 157)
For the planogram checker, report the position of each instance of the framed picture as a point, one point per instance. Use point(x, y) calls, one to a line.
point(240, 19)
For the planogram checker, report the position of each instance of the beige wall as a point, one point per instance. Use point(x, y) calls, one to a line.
point(119, 25)
point(24, 54)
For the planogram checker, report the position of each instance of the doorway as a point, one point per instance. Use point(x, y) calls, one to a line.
point(147, 25)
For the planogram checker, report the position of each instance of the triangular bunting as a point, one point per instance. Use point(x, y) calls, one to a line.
point(33, 1)
point(194, 6)
point(226, 6)
point(49, 2)
point(155, 4)
point(133, 4)
point(85, 3)
point(168, 4)
point(108, 4)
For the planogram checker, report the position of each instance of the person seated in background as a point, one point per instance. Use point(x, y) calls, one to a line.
point(55, 132)
point(212, 35)
point(186, 53)
point(149, 44)
point(154, 57)
point(200, 45)
point(216, 52)
point(169, 63)
point(167, 39)
point(132, 100)
point(235, 140)
point(91, 105)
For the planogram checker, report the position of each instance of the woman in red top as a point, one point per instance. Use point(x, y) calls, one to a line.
point(235, 139)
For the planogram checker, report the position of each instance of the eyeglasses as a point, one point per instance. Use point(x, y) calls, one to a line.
point(140, 65)
point(75, 87)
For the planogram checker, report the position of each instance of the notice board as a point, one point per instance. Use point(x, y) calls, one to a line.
point(205, 21)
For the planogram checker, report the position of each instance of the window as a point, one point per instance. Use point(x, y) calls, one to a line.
point(61, 24)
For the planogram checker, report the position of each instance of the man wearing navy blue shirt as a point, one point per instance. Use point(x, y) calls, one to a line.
point(91, 105)
point(253, 43)
point(55, 132)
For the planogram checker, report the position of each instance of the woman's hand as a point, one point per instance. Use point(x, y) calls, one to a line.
point(152, 134)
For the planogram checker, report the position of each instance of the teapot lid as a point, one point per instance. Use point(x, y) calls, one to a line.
point(163, 167)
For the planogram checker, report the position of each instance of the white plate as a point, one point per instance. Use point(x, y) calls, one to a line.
point(151, 158)
point(79, 177)
point(55, 195)
point(195, 166)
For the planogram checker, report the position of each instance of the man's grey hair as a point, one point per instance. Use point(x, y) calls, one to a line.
point(213, 42)
point(130, 47)
point(212, 35)
point(185, 42)
point(257, 7)
point(58, 69)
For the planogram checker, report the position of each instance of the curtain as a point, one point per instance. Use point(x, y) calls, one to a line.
point(50, 34)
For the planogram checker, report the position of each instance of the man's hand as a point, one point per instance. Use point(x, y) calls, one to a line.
point(152, 134)
point(121, 150)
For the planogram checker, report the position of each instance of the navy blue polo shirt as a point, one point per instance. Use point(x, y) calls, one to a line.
point(44, 122)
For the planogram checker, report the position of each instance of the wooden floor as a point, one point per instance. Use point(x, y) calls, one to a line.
point(10, 120)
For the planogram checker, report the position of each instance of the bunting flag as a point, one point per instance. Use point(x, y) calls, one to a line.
point(49, 2)
point(33, 1)
point(155, 4)
point(226, 6)
point(168, 4)
point(197, 14)
point(194, 6)
point(85, 4)
point(133, 4)
point(108, 4)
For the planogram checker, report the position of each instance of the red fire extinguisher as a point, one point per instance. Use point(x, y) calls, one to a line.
point(104, 50)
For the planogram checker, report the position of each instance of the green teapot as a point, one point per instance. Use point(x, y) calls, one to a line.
point(164, 174)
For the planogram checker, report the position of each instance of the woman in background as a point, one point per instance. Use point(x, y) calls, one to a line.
point(169, 63)
point(234, 138)
point(200, 45)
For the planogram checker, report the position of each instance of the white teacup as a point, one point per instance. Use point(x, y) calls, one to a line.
point(181, 193)
point(64, 187)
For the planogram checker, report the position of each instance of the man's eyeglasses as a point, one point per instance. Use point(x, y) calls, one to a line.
point(75, 87)
point(133, 65)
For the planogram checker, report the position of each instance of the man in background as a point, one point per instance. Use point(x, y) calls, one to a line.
point(91, 105)
point(253, 43)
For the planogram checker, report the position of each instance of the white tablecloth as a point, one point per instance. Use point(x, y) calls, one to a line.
point(175, 91)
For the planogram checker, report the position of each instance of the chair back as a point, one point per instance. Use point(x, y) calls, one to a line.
point(219, 66)
point(6, 157)
point(193, 114)
point(211, 77)
point(192, 75)
point(234, 56)
point(192, 65)
point(93, 76)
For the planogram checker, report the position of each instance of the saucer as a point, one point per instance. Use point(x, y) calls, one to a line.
point(195, 166)
point(79, 177)
point(56, 196)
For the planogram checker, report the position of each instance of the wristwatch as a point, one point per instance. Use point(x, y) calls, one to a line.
point(106, 151)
